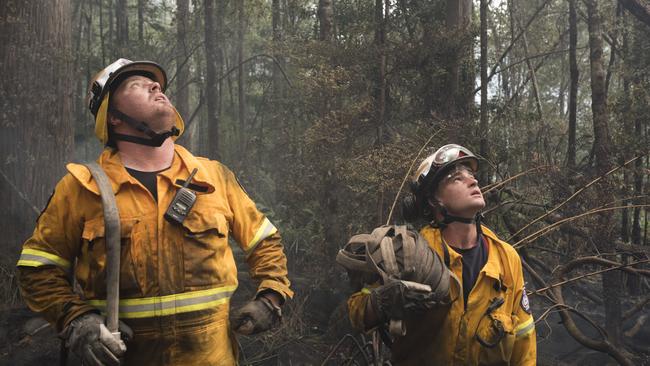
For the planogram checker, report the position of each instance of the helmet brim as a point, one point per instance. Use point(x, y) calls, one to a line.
point(108, 81)
point(469, 161)
point(144, 67)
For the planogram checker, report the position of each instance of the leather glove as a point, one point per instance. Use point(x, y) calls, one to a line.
point(396, 298)
point(256, 316)
point(93, 343)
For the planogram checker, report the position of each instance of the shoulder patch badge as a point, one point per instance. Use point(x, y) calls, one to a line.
point(524, 301)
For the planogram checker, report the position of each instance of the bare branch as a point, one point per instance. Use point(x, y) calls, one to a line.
point(548, 228)
point(275, 61)
point(512, 43)
point(390, 214)
point(495, 185)
point(636, 308)
point(602, 345)
point(599, 261)
point(575, 194)
point(20, 193)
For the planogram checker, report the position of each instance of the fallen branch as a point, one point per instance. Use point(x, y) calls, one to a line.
point(603, 345)
point(574, 195)
point(502, 204)
point(340, 343)
point(619, 266)
point(636, 327)
point(551, 227)
point(636, 308)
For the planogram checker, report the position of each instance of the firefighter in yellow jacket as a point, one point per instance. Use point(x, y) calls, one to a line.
point(176, 279)
point(490, 321)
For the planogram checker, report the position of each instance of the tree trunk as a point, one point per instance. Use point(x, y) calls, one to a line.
point(533, 75)
point(380, 42)
point(381, 18)
point(326, 19)
point(111, 31)
point(182, 64)
point(241, 82)
point(603, 154)
point(141, 11)
point(638, 140)
point(36, 86)
point(328, 197)
point(483, 127)
point(210, 80)
point(101, 31)
point(122, 23)
point(221, 51)
point(276, 24)
point(459, 91)
point(573, 91)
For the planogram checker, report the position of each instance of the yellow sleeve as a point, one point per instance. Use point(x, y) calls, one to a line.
point(525, 348)
point(47, 257)
point(259, 239)
point(357, 308)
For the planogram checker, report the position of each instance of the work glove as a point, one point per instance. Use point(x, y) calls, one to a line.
point(256, 316)
point(93, 343)
point(396, 298)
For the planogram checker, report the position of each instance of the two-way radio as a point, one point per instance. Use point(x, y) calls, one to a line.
point(182, 203)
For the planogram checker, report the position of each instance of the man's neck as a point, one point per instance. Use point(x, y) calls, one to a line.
point(460, 235)
point(146, 158)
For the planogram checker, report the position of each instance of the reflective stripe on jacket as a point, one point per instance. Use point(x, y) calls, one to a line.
point(168, 271)
point(450, 335)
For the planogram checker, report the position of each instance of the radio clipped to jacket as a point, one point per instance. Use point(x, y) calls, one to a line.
point(182, 203)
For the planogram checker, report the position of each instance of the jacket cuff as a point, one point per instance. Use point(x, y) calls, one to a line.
point(74, 311)
point(357, 310)
point(279, 287)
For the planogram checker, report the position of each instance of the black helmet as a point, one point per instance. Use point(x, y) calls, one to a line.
point(429, 174)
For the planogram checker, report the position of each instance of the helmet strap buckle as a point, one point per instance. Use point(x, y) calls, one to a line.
point(155, 140)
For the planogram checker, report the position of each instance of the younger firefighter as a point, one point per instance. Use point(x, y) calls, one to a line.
point(176, 277)
point(490, 322)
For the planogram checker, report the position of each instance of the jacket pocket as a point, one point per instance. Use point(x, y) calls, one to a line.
point(498, 333)
point(206, 254)
point(91, 266)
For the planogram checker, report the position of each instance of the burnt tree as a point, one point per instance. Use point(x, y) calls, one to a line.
point(37, 122)
point(602, 150)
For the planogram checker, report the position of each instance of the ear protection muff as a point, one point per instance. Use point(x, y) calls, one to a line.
point(409, 206)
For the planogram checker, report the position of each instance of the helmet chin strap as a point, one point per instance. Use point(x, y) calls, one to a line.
point(155, 139)
point(448, 219)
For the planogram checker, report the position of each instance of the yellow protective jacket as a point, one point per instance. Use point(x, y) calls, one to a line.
point(448, 335)
point(175, 281)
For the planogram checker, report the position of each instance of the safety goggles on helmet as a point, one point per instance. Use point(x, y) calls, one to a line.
point(438, 163)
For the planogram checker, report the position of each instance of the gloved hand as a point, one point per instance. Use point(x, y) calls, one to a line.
point(396, 298)
point(256, 316)
point(93, 343)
